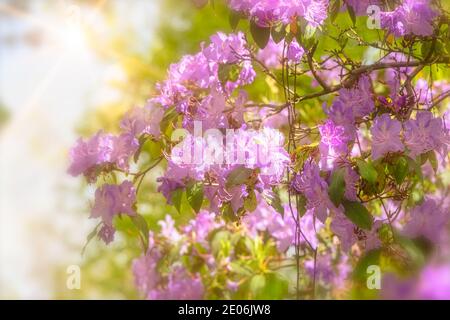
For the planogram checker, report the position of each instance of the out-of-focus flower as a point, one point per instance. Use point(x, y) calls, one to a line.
point(411, 17)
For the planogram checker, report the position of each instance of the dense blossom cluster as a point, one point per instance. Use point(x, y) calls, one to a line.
point(265, 187)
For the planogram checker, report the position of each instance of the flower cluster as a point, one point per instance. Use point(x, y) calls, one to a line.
point(270, 12)
point(279, 185)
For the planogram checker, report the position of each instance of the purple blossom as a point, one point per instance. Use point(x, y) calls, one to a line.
point(294, 52)
point(428, 220)
point(106, 233)
point(271, 55)
point(315, 189)
point(358, 99)
point(265, 218)
point(349, 234)
point(411, 17)
point(333, 143)
point(269, 12)
point(360, 6)
point(168, 229)
point(124, 146)
point(200, 227)
point(146, 120)
point(86, 156)
point(145, 269)
point(425, 133)
point(385, 136)
point(111, 200)
point(180, 286)
point(434, 282)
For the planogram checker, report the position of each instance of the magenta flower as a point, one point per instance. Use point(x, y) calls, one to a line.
point(385, 136)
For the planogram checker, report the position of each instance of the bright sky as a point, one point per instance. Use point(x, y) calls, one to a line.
point(47, 89)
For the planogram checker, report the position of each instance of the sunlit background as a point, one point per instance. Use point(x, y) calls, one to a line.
point(59, 63)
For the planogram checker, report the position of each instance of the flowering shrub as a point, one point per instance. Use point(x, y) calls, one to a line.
point(273, 201)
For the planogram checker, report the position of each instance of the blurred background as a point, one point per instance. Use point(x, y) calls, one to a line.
point(68, 69)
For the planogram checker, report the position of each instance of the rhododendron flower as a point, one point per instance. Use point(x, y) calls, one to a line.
point(411, 17)
point(180, 286)
point(265, 218)
point(271, 55)
point(428, 220)
point(144, 120)
point(333, 143)
point(111, 200)
point(315, 189)
point(202, 225)
point(385, 136)
point(360, 6)
point(425, 133)
point(358, 99)
point(294, 52)
point(349, 234)
point(85, 156)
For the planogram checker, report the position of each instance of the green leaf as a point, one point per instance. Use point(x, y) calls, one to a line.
point(336, 189)
point(367, 171)
point(425, 49)
point(269, 286)
point(274, 201)
point(194, 194)
point(140, 223)
point(250, 202)
point(261, 35)
point(169, 116)
point(228, 72)
point(257, 284)
point(234, 19)
point(351, 13)
point(399, 170)
point(238, 176)
point(278, 33)
point(89, 238)
point(414, 167)
point(358, 214)
point(334, 10)
point(370, 258)
point(276, 287)
point(176, 198)
point(228, 213)
point(431, 156)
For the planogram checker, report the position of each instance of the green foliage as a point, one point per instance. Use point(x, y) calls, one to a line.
point(358, 214)
point(336, 189)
